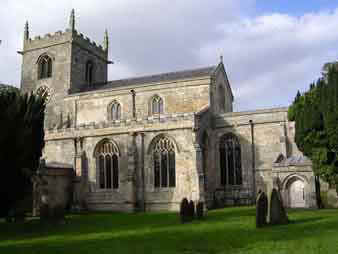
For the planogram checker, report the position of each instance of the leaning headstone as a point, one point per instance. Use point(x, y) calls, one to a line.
point(277, 212)
point(184, 210)
point(200, 210)
point(261, 210)
point(191, 210)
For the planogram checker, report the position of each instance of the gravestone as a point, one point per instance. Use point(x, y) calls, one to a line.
point(200, 210)
point(277, 212)
point(191, 210)
point(184, 210)
point(261, 210)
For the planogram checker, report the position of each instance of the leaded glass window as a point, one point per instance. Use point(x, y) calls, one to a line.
point(107, 155)
point(156, 105)
point(164, 163)
point(115, 111)
point(230, 160)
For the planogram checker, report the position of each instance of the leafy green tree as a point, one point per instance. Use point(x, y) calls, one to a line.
point(316, 115)
point(21, 143)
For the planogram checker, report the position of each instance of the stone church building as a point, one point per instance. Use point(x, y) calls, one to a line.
point(147, 142)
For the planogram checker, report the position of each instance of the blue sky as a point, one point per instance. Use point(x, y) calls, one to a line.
point(271, 48)
point(294, 7)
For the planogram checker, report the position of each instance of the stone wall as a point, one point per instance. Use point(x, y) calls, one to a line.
point(182, 96)
point(60, 147)
point(272, 135)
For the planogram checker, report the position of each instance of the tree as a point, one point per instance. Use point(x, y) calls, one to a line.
point(21, 143)
point(316, 115)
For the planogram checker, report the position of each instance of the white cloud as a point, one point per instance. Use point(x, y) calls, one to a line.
point(268, 58)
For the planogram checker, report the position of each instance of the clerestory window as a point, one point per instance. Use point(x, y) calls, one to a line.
point(156, 105)
point(114, 111)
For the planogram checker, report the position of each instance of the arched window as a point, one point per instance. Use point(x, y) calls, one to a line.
point(164, 163)
point(156, 105)
point(45, 67)
point(230, 160)
point(89, 72)
point(114, 111)
point(107, 156)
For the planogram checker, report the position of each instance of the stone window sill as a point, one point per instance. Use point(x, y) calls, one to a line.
point(166, 189)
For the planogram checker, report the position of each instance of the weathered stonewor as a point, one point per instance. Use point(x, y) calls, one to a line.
point(261, 210)
point(277, 212)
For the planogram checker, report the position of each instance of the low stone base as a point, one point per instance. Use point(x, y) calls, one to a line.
point(110, 206)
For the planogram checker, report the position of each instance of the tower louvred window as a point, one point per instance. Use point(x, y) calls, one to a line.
point(45, 67)
point(89, 75)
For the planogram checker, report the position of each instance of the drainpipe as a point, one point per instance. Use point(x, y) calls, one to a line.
point(134, 106)
point(143, 174)
point(253, 160)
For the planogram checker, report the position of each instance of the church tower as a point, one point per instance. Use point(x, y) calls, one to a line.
point(60, 64)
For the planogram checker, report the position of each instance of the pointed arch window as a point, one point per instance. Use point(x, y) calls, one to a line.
point(89, 72)
point(107, 156)
point(45, 66)
point(230, 160)
point(164, 163)
point(156, 105)
point(114, 111)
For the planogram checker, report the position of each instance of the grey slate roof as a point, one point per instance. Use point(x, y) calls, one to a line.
point(293, 161)
point(169, 76)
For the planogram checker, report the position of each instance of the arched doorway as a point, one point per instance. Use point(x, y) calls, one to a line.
point(296, 192)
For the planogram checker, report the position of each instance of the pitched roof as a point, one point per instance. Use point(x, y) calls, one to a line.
point(169, 76)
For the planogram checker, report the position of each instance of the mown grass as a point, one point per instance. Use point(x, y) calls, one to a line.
point(230, 230)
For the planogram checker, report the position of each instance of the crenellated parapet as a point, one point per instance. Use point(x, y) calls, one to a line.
point(151, 123)
point(88, 44)
point(69, 35)
point(47, 40)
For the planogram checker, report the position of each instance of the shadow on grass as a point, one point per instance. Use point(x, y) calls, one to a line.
point(225, 230)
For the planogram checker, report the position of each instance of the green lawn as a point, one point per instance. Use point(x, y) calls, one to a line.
point(230, 230)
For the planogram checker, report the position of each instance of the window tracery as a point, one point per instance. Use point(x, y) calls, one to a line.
point(114, 111)
point(156, 105)
point(230, 160)
point(164, 163)
point(44, 67)
point(107, 155)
